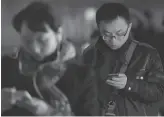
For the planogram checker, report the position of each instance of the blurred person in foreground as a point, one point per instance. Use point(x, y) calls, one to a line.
point(40, 79)
point(129, 74)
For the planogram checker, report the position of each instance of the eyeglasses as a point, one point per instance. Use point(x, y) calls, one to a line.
point(110, 35)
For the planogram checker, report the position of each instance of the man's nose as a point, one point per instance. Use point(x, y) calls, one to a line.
point(113, 36)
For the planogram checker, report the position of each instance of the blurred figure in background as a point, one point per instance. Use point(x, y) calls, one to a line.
point(140, 25)
point(148, 28)
point(41, 79)
point(81, 29)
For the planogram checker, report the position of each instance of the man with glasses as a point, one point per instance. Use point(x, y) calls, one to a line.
point(129, 73)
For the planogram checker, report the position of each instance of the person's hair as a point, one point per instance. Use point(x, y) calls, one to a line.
point(110, 11)
point(35, 14)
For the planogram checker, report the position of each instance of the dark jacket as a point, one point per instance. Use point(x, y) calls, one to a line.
point(145, 83)
point(79, 88)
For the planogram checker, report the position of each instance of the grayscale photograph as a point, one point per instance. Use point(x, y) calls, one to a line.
point(82, 58)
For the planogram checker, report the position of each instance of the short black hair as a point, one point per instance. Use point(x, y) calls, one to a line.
point(36, 14)
point(110, 11)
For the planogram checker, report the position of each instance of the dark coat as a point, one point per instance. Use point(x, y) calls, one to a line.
point(145, 83)
point(79, 88)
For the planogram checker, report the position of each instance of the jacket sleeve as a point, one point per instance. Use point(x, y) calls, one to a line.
point(88, 99)
point(152, 88)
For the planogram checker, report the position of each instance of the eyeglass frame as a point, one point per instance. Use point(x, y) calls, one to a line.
point(110, 37)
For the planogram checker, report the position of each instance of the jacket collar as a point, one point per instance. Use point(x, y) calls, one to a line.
point(28, 65)
point(118, 54)
point(103, 47)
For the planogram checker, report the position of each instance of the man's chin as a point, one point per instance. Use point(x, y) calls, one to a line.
point(114, 47)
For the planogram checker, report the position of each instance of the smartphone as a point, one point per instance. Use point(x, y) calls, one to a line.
point(113, 74)
point(110, 76)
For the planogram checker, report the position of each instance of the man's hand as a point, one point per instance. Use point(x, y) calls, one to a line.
point(117, 80)
point(40, 108)
point(37, 106)
point(10, 96)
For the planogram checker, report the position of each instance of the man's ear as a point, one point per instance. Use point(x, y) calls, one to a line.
point(130, 25)
point(60, 34)
point(129, 28)
point(60, 30)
